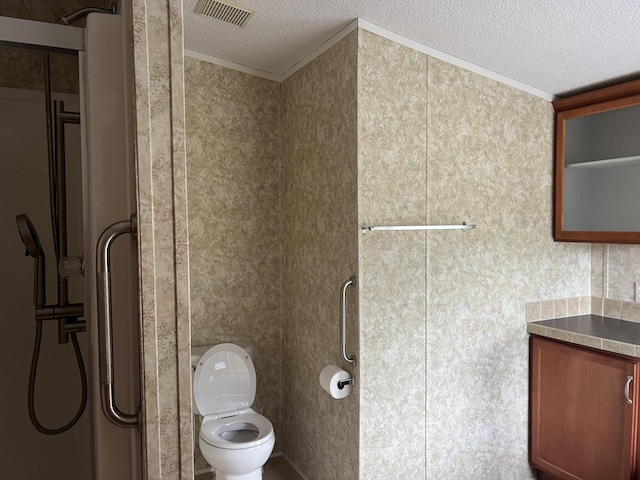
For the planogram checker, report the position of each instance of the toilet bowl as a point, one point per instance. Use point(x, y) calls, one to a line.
point(234, 440)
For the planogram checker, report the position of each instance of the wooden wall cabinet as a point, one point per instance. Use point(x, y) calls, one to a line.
point(582, 425)
point(597, 166)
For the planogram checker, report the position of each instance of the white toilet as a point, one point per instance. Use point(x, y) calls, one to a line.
point(234, 440)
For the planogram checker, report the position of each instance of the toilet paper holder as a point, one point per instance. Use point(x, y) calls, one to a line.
point(336, 382)
point(347, 381)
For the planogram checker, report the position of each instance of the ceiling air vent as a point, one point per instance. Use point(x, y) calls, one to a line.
point(226, 11)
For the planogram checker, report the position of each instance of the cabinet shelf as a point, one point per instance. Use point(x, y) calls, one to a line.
point(608, 162)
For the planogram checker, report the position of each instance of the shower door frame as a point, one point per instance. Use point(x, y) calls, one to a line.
point(108, 442)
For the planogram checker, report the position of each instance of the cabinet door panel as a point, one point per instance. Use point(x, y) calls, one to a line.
point(582, 426)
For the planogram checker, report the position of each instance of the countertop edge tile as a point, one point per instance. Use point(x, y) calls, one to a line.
point(587, 341)
point(595, 331)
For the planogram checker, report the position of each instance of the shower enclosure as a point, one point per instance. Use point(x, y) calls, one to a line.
point(60, 208)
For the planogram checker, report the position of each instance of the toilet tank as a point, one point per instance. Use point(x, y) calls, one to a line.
point(196, 354)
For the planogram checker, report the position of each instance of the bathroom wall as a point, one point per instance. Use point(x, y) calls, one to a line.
point(392, 175)
point(375, 132)
point(488, 162)
point(163, 256)
point(234, 161)
point(320, 247)
point(615, 269)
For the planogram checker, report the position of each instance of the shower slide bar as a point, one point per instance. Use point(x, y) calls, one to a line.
point(370, 228)
point(105, 324)
point(351, 281)
point(60, 117)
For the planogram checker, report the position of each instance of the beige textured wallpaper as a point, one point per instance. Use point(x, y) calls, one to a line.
point(617, 268)
point(489, 163)
point(161, 172)
point(485, 150)
point(320, 244)
point(392, 156)
point(233, 123)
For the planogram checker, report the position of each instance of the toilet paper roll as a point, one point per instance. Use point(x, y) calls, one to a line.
point(329, 378)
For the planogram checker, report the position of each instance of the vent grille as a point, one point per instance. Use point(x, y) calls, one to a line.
point(226, 11)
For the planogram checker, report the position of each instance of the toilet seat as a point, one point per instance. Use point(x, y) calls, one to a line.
point(224, 382)
point(236, 432)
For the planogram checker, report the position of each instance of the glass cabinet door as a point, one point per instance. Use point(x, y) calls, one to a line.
point(597, 195)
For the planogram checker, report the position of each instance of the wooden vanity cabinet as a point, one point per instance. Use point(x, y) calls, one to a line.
point(582, 425)
point(597, 166)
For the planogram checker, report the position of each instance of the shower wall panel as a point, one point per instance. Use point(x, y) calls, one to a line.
point(24, 69)
point(320, 247)
point(234, 161)
point(24, 188)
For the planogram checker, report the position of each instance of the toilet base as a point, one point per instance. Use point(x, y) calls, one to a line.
point(255, 475)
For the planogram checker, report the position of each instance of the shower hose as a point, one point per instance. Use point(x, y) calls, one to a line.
point(32, 384)
point(55, 225)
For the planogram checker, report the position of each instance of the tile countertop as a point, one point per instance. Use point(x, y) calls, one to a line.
point(595, 331)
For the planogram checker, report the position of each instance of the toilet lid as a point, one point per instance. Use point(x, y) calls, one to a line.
point(224, 380)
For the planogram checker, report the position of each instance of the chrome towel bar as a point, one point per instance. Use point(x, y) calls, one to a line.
point(343, 320)
point(370, 228)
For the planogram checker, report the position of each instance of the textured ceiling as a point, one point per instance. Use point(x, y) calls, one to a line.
point(554, 46)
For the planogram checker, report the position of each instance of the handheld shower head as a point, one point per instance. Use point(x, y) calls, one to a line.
point(29, 237)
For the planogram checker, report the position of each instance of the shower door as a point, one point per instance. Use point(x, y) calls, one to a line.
point(110, 197)
point(107, 196)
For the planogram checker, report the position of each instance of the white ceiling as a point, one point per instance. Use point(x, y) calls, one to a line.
point(553, 46)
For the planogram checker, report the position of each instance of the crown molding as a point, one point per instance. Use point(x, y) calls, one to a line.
point(394, 37)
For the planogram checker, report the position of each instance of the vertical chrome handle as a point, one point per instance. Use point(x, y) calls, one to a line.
point(343, 320)
point(626, 390)
point(105, 327)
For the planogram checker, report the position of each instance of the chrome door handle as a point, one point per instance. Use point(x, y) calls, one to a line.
point(626, 390)
point(105, 326)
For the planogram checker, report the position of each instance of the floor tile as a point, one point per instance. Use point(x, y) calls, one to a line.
point(277, 468)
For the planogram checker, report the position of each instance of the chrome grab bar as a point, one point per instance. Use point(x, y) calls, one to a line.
point(105, 326)
point(343, 320)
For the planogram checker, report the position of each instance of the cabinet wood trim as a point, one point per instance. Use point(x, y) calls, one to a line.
point(597, 96)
